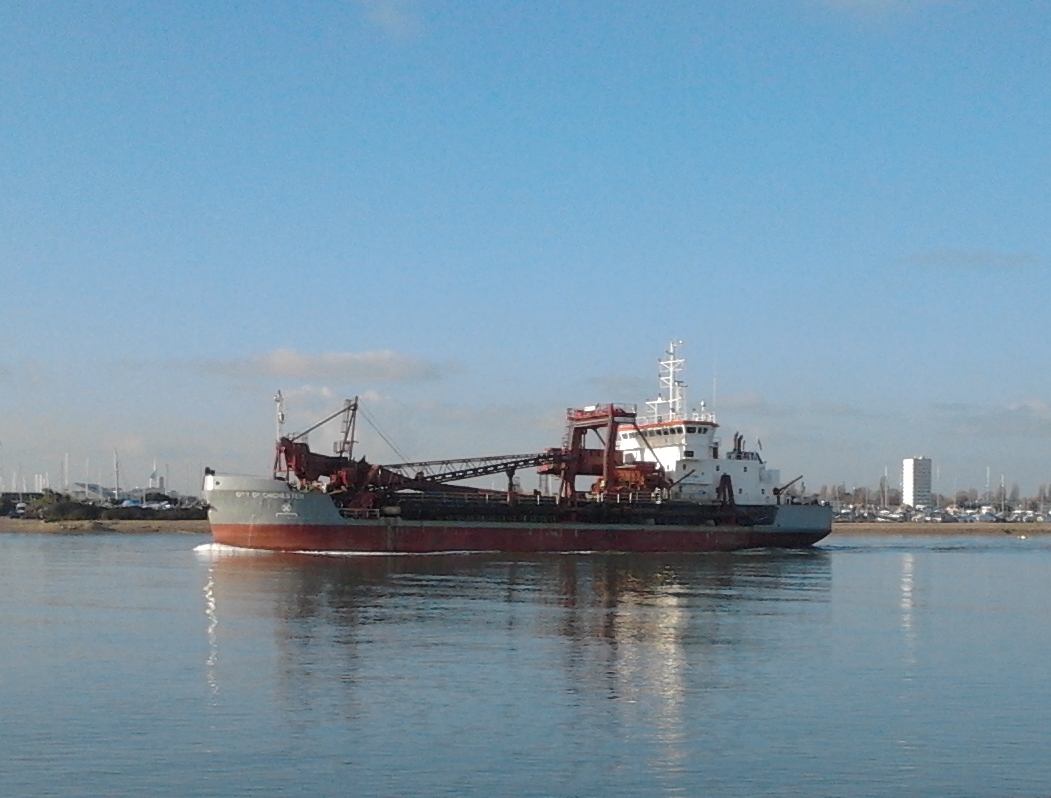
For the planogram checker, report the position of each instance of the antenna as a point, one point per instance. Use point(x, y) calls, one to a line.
point(715, 373)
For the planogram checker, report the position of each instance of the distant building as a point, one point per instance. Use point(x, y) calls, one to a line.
point(916, 481)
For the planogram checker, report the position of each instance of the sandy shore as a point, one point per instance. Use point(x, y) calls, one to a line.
point(201, 528)
point(102, 527)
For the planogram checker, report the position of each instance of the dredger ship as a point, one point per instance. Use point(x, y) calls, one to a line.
point(659, 483)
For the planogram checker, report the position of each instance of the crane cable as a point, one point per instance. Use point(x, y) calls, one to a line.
point(379, 432)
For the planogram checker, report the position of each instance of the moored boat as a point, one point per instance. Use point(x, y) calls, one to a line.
point(660, 485)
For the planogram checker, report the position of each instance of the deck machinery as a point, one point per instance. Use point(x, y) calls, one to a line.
point(359, 484)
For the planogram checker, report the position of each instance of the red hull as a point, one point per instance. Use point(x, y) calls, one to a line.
point(519, 538)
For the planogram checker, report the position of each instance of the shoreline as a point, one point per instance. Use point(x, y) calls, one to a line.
point(200, 527)
point(101, 527)
point(939, 530)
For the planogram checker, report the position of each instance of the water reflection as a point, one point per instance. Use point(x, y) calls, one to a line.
point(625, 627)
point(908, 700)
point(212, 659)
point(908, 587)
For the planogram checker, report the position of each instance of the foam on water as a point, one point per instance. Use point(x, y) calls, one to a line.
point(222, 550)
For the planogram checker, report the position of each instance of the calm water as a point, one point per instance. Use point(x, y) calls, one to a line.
point(144, 665)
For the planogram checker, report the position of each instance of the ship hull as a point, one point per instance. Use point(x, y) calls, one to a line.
point(271, 516)
point(393, 538)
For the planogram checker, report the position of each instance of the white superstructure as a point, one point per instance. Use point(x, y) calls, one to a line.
point(916, 482)
point(685, 445)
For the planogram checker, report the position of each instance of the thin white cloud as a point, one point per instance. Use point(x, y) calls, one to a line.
point(131, 445)
point(393, 17)
point(310, 392)
point(381, 366)
point(749, 402)
point(1028, 419)
point(617, 387)
point(30, 372)
point(754, 405)
point(846, 411)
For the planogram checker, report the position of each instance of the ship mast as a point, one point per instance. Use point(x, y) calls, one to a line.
point(279, 400)
point(279, 422)
point(345, 446)
point(670, 386)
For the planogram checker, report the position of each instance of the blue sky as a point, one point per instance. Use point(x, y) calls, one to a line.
point(478, 214)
